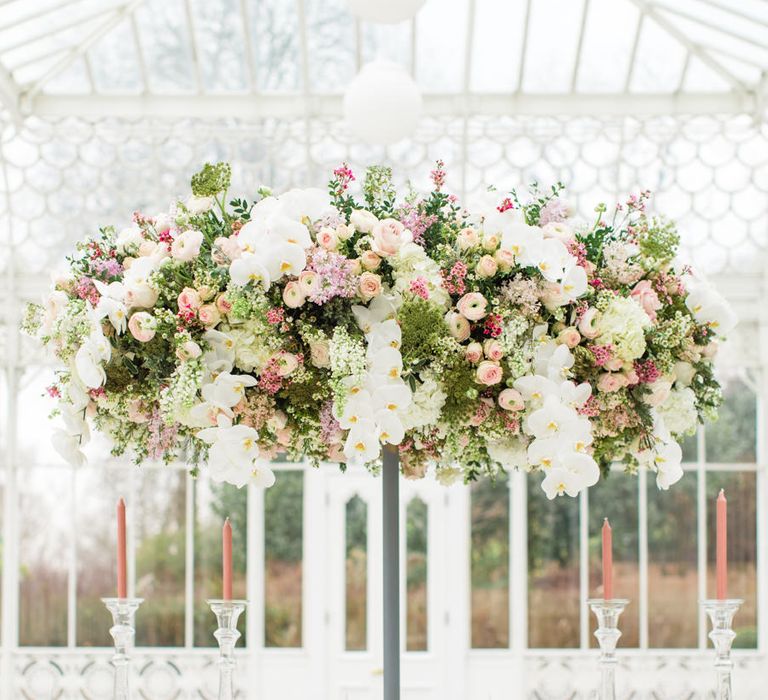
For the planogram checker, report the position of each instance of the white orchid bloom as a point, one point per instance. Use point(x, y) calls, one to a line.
point(535, 388)
point(358, 410)
point(75, 424)
point(392, 398)
point(362, 445)
point(382, 308)
point(68, 448)
point(390, 427)
point(575, 395)
point(77, 393)
point(205, 415)
point(553, 257)
point(386, 365)
point(710, 308)
point(525, 242)
point(553, 420)
point(249, 268)
point(221, 356)
point(281, 258)
point(553, 360)
point(304, 205)
point(111, 305)
point(559, 480)
point(289, 231)
point(89, 358)
point(384, 334)
point(232, 454)
point(665, 458)
point(227, 390)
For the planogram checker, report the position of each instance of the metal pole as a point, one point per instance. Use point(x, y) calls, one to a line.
point(391, 565)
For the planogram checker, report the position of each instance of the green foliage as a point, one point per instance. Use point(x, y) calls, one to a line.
point(658, 240)
point(422, 327)
point(211, 180)
point(379, 191)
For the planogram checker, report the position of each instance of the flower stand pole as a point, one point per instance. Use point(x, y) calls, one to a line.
point(391, 564)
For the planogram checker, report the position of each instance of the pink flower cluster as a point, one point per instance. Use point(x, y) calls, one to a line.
point(86, 290)
point(416, 221)
point(336, 274)
point(554, 211)
point(344, 176)
point(162, 437)
point(602, 353)
point(453, 280)
point(438, 175)
point(275, 316)
point(419, 288)
point(271, 381)
point(647, 372)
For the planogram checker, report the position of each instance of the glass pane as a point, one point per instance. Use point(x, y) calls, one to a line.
point(615, 498)
point(283, 549)
point(44, 546)
point(490, 563)
point(160, 549)
point(97, 548)
point(553, 568)
point(356, 568)
point(740, 490)
point(672, 564)
point(690, 449)
point(732, 437)
point(416, 575)
point(213, 504)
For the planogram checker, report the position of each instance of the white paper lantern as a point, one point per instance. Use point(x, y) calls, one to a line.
point(383, 103)
point(385, 11)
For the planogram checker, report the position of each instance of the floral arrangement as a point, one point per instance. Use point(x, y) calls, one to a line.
point(327, 325)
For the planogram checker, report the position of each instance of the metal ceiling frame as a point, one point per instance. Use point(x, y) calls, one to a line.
point(27, 99)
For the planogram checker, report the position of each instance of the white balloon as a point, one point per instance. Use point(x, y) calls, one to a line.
point(383, 103)
point(385, 11)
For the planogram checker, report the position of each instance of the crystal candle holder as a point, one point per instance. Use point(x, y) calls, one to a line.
point(227, 613)
point(123, 632)
point(607, 633)
point(721, 614)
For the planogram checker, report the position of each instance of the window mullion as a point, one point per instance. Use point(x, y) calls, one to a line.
point(189, 563)
point(701, 524)
point(72, 573)
point(584, 568)
point(642, 521)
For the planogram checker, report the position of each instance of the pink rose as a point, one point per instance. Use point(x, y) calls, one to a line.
point(511, 400)
point(489, 373)
point(493, 350)
point(327, 238)
point(505, 259)
point(309, 282)
point(474, 352)
point(491, 242)
point(486, 266)
point(320, 353)
point(632, 377)
point(293, 296)
point(610, 382)
point(189, 300)
point(355, 267)
point(223, 304)
point(136, 412)
point(388, 236)
point(472, 306)
point(569, 337)
point(458, 326)
point(286, 363)
point(370, 261)
point(614, 364)
point(587, 323)
point(468, 238)
point(369, 286)
point(209, 315)
point(645, 295)
point(142, 326)
point(659, 392)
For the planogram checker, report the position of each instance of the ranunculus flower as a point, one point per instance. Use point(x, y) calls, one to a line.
point(610, 382)
point(142, 326)
point(645, 295)
point(493, 349)
point(489, 373)
point(474, 352)
point(327, 238)
point(223, 304)
point(190, 350)
point(146, 249)
point(209, 315)
point(229, 246)
point(468, 238)
point(369, 260)
point(309, 282)
point(388, 236)
point(293, 295)
point(569, 336)
point(472, 306)
point(320, 353)
point(511, 400)
point(363, 220)
point(486, 266)
point(129, 239)
point(587, 323)
point(458, 325)
point(189, 300)
point(187, 244)
point(369, 286)
point(286, 363)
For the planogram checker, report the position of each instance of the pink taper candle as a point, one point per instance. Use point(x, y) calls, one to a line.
point(722, 546)
point(607, 561)
point(122, 572)
point(226, 556)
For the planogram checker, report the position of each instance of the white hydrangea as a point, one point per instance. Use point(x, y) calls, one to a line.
point(623, 325)
point(426, 405)
point(510, 453)
point(679, 411)
point(411, 263)
point(250, 353)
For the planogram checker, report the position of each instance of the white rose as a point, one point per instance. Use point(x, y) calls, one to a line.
point(684, 373)
point(320, 353)
point(363, 220)
point(659, 391)
point(186, 246)
point(198, 205)
point(129, 240)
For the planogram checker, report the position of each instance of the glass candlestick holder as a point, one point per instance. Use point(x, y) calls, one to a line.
point(123, 632)
point(721, 614)
point(607, 633)
point(227, 613)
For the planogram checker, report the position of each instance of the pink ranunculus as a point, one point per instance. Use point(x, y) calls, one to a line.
point(189, 351)
point(472, 306)
point(511, 400)
point(369, 286)
point(209, 315)
point(659, 392)
point(570, 337)
point(468, 238)
point(189, 300)
point(187, 244)
point(610, 382)
point(632, 377)
point(228, 246)
point(493, 349)
point(142, 326)
point(370, 261)
point(388, 236)
point(223, 304)
point(587, 323)
point(147, 248)
point(486, 266)
point(489, 373)
point(286, 363)
point(328, 238)
point(474, 352)
point(293, 296)
point(645, 295)
point(458, 326)
point(309, 282)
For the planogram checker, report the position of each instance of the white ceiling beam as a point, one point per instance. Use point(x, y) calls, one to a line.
point(633, 53)
point(734, 12)
point(194, 46)
point(714, 26)
point(60, 5)
point(250, 54)
point(579, 45)
point(10, 96)
point(246, 106)
point(140, 55)
point(524, 46)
